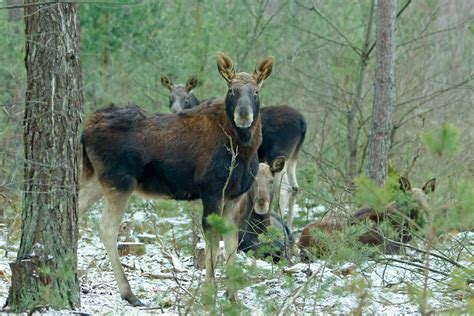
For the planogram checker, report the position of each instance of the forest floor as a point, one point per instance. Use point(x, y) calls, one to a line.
point(165, 278)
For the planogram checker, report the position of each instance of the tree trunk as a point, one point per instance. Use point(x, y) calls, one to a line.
point(384, 85)
point(44, 273)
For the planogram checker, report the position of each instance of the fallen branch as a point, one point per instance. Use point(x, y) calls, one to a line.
point(413, 264)
point(439, 256)
point(160, 276)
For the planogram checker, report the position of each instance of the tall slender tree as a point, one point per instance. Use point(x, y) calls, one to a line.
point(384, 94)
point(44, 273)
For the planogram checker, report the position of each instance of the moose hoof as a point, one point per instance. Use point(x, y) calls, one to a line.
point(133, 300)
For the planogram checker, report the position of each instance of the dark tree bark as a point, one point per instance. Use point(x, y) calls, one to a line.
point(44, 273)
point(384, 85)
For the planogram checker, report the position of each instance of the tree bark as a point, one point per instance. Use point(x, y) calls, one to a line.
point(384, 85)
point(44, 273)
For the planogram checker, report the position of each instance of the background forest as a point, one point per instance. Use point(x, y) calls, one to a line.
point(324, 62)
point(324, 66)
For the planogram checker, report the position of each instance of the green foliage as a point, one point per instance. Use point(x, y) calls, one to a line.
point(470, 305)
point(219, 224)
point(419, 296)
point(463, 210)
point(348, 248)
point(267, 241)
point(446, 140)
point(372, 195)
point(459, 279)
point(125, 49)
point(208, 295)
point(236, 278)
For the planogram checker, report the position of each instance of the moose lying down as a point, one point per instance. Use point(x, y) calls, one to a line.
point(283, 134)
point(403, 217)
point(255, 217)
point(182, 156)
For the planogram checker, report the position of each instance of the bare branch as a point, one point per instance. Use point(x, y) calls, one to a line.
point(398, 15)
point(349, 43)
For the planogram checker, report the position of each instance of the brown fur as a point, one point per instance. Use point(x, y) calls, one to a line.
point(182, 156)
point(330, 224)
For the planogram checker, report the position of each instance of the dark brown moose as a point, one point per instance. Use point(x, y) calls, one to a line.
point(283, 133)
point(180, 156)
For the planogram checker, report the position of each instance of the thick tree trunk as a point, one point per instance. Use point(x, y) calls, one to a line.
point(44, 273)
point(381, 124)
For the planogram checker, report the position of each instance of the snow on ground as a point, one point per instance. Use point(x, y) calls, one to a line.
point(168, 286)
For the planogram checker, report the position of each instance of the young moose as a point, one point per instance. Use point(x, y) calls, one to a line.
point(180, 156)
point(401, 216)
point(283, 133)
point(255, 217)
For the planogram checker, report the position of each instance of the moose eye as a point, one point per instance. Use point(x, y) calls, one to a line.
point(230, 91)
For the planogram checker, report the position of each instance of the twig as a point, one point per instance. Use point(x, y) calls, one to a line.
point(349, 43)
point(234, 153)
point(160, 276)
point(444, 258)
point(298, 292)
point(398, 15)
point(413, 264)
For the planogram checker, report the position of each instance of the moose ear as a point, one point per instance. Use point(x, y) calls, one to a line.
point(191, 83)
point(405, 185)
point(429, 186)
point(277, 164)
point(166, 81)
point(225, 67)
point(263, 69)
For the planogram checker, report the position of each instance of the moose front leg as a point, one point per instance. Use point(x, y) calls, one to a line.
point(231, 240)
point(211, 205)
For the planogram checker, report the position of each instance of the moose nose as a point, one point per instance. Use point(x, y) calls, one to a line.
point(263, 206)
point(245, 114)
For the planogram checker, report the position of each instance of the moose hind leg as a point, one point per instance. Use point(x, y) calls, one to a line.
point(284, 191)
point(90, 192)
point(293, 190)
point(292, 162)
point(115, 206)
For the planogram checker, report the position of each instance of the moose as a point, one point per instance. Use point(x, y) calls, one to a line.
point(181, 95)
point(403, 216)
point(255, 217)
point(283, 134)
point(183, 156)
